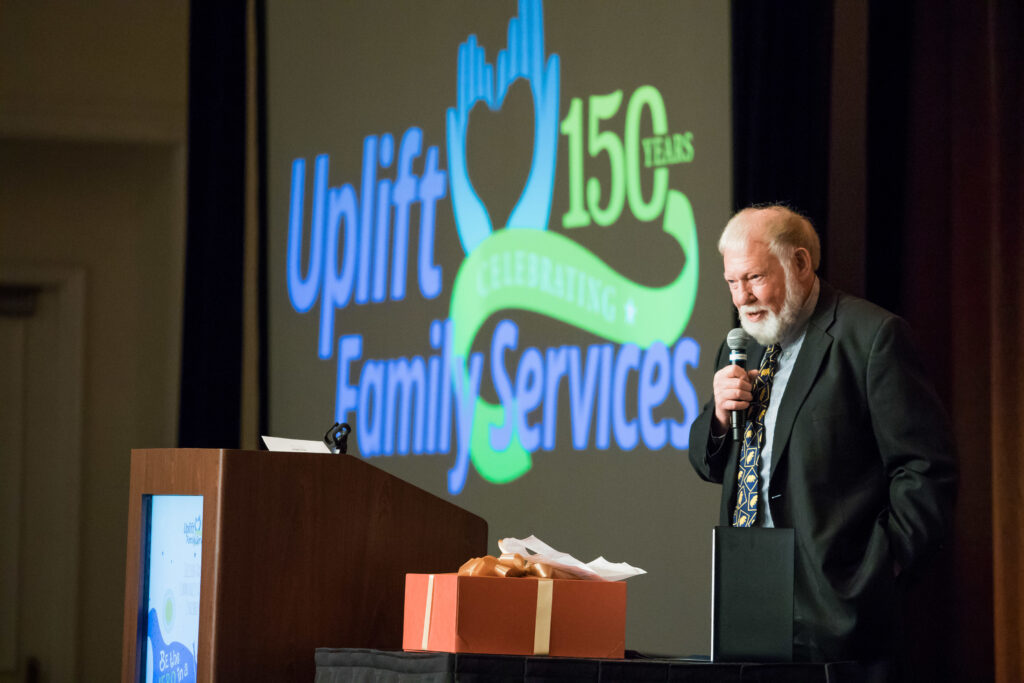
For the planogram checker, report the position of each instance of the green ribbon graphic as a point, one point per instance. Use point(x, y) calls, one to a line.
point(540, 271)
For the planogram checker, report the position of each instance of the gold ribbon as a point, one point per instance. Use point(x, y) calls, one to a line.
point(511, 565)
point(542, 625)
point(426, 612)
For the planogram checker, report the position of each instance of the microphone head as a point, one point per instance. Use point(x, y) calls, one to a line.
point(737, 339)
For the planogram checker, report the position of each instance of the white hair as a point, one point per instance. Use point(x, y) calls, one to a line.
point(784, 230)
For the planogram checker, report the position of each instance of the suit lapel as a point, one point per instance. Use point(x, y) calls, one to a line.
point(816, 344)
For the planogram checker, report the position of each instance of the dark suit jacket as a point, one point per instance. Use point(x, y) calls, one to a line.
point(862, 469)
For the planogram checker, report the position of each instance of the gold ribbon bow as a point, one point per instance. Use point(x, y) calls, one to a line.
point(511, 565)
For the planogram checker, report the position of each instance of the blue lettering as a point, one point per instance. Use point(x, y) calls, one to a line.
point(366, 217)
point(380, 249)
point(529, 389)
point(432, 187)
point(625, 430)
point(370, 418)
point(581, 397)
point(303, 291)
point(602, 439)
point(433, 381)
point(467, 391)
point(444, 438)
point(398, 401)
point(405, 381)
point(368, 234)
point(350, 348)
point(557, 367)
point(506, 336)
point(404, 195)
point(337, 286)
point(405, 405)
point(651, 392)
point(687, 353)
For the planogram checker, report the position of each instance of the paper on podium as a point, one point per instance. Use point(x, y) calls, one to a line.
point(536, 550)
point(275, 443)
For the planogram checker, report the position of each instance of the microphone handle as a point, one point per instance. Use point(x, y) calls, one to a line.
point(737, 357)
point(736, 422)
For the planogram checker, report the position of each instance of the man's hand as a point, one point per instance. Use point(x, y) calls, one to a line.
point(732, 386)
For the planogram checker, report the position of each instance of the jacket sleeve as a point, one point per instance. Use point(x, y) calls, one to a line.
point(709, 465)
point(913, 434)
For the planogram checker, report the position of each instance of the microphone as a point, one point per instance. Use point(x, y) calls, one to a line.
point(336, 437)
point(737, 341)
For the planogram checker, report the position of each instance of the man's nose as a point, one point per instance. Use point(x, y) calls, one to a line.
point(742, 294)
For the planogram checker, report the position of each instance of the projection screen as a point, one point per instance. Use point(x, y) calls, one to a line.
point(491, 251)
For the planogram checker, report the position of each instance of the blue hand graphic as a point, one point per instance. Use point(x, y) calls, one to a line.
point(475, 82)
point(524, 57)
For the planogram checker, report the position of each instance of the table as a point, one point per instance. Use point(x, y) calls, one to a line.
point(378, 666)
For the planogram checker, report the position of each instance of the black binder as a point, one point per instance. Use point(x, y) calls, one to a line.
point(752, 594)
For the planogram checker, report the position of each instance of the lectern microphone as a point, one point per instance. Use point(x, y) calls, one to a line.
point(336, 437)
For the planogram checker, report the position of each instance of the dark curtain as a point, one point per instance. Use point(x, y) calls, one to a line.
point(908, 170)
point(944, 244)
point(211, 364)
point(1005, 71)
point(782, 59)
point(945, 250)
point(958, 282)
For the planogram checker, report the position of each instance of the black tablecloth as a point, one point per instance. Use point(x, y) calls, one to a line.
point(376, 666)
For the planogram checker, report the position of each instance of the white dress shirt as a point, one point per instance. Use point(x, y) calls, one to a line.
point(790, 351)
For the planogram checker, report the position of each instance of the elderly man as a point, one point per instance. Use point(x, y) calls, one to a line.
point(846, 441)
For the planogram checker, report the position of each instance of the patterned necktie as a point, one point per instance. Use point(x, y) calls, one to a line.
point(748, 476)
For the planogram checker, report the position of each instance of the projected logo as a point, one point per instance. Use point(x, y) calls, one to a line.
point(521, 266)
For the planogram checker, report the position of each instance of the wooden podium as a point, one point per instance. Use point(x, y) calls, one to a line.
point(299, 551)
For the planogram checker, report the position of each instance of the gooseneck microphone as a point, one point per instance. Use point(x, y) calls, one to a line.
point(737, 341)
point(336, 438)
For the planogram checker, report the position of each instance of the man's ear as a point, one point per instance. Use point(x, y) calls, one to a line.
point(802, 261)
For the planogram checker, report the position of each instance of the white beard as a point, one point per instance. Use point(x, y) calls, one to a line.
point(774, 327)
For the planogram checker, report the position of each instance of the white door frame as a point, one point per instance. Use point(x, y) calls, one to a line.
point(41, 476)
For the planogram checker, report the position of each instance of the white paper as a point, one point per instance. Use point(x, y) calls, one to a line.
point(600, 569)
point(295, 445)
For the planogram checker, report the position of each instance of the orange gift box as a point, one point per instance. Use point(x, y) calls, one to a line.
point(514, 616)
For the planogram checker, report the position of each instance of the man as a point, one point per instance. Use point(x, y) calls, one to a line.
point(856, 454)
